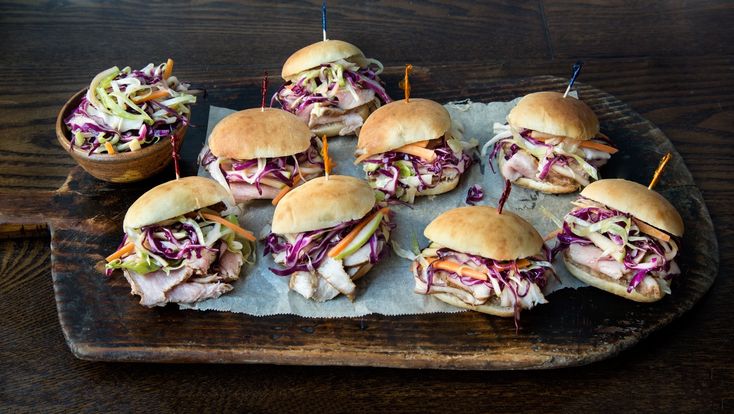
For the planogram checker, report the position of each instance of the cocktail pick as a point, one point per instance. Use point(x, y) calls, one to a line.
point(405, 84)
point(323, 19)
point(505, 195)
point(263, 91)
point(174, 154)
point(659, 170)
point(574, 74)
point(325, 156)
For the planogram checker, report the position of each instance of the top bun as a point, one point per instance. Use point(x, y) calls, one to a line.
point(322, 203)
point(173, 199)
point(319, 53)
point(400, 123)
point(551, 113)
point(482, 231)
point(636, 199)
point(254, 133)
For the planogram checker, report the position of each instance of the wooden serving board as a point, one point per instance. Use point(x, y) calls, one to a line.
point(102, 321)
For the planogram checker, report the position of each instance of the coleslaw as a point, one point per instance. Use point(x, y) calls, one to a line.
point(129, 109)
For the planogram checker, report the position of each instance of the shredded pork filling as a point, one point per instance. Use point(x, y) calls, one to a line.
point(317, 276)
point(546, 158)
point(506, 284)
point(613, 246)
point(181, 261)
point(263, 178)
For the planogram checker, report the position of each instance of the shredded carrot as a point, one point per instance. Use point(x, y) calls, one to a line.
point(650, 230)
point(110, 148)
point(459, 269)
point(223, 221)
point(285, 190)
point(169, 68)
point(426, 154)
point(586, 144)
point(154, 95)
point(599, 146)
point(343, 243)
point(124, 251)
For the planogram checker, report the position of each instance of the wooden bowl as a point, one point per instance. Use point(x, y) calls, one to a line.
point(123, 167)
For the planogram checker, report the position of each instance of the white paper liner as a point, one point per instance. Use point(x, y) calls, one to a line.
point(388, 288)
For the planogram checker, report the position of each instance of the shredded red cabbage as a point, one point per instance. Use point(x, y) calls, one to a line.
point(446, 165)
point(644, 255)
point(474, 195)
point(309, 249)
point(281, 169)
point(87, 120)
point(299, 99)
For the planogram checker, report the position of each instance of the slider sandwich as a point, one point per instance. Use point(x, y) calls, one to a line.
point(180, 244)
point(412, 148)
point(550, 143)
point(326, 234)
point(482, 260)
point(332, 87)
point(622, 238)
point(255, 153)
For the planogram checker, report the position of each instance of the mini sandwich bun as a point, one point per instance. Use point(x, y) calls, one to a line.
point(257, 133)
point(482, 231)
point(400, 123)
point(173, 199)
point(318, 53)
point(320, 203)
point(551, 113)
point(636, 199)
point(542, 186)
point(605, 283)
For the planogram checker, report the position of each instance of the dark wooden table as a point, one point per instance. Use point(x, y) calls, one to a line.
point(673, 62)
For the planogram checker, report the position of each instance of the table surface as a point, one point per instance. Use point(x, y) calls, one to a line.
point(672, 61)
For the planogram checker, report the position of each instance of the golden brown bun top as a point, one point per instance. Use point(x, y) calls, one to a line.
point(551, 113)
point(481, 231)
point(173, 199)
point(322, 203)
point(400, 123)
point(318, 53)
point(636, 199)
point(254, 133)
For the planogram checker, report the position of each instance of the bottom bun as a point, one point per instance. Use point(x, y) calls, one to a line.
point(605, 283)
point(542, 186)
point(363, 269)
point(488, 308)
point(442, 187)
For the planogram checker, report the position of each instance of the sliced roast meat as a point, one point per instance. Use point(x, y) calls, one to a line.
point(333, 271)
point(521, 164)
point(324, 291)
point(195, 292)
point(591, 256)
point(304, 283)
point(230, 263)
point(244, 192)
point(348, 100)
point(153, 287)
point(201, 260)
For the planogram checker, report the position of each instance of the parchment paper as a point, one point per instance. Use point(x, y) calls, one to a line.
point(388, 288)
